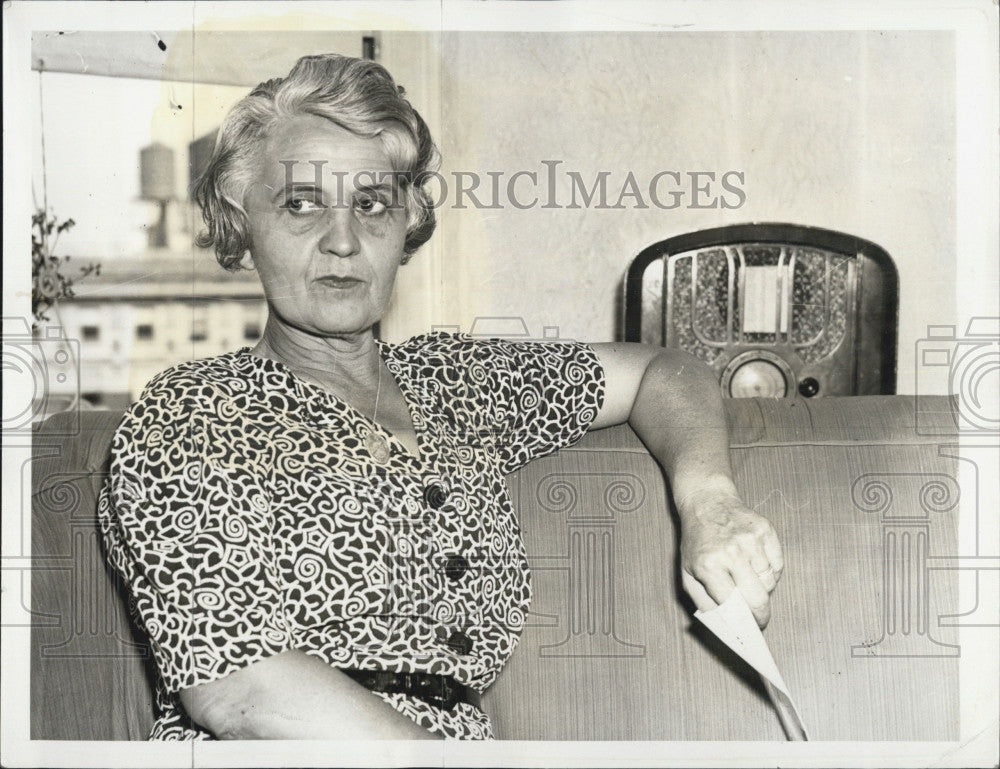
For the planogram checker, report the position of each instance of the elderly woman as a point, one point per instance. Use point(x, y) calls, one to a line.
point(324, 517)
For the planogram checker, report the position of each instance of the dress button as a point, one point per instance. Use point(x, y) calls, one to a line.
point(459, 642)
point(455, 567)
point(435, 495)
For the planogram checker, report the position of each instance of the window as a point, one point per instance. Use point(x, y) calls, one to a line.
point(199, 326)
point(90, 333)
point(144, 331)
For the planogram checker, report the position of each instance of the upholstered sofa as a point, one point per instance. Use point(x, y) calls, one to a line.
point(861, 492)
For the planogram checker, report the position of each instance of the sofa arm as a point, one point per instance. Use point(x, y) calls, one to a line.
point(90, 667)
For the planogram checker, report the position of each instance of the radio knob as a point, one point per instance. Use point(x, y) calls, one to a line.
point(808, 387)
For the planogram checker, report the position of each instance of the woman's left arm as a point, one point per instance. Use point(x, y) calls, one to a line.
point(672, 401)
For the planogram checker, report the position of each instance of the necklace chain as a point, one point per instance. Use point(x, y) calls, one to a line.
point(378, 390)
point(376, 445)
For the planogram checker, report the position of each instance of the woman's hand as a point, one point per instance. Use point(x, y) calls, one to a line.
point(726, 545)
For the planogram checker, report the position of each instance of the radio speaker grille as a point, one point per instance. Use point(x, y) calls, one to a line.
point(818, 303)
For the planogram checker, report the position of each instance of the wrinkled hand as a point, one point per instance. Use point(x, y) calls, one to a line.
point(726, 545)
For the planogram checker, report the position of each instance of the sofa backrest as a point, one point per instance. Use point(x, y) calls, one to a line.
point(610, 651)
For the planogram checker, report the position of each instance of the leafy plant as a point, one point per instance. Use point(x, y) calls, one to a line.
point(51, 279)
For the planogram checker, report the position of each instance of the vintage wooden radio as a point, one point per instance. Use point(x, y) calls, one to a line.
point(777, 310)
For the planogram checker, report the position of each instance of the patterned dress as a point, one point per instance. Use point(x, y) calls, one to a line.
point(248, 519)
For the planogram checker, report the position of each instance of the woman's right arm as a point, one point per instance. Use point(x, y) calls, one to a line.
point(295, 696)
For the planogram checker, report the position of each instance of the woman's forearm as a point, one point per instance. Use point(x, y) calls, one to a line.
point(678, 414)
point(673, 403)
point(294, 695)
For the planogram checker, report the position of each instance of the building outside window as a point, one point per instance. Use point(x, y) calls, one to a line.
point(199, 325)
point(153, 305)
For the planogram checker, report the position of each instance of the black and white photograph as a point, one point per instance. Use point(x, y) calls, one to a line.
point(570, 383)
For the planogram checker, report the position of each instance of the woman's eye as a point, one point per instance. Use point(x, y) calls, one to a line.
point(302, 205)
point(370, 206)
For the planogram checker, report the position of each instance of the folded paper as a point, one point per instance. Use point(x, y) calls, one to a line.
point(734, 624)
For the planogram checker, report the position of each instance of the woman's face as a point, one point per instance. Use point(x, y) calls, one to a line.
point(327, 227)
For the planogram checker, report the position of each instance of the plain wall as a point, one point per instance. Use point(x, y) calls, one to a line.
point(851, 131)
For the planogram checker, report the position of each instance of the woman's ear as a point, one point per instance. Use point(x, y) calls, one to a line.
point(246, 261)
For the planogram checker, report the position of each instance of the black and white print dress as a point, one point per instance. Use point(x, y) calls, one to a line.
point(247, 517)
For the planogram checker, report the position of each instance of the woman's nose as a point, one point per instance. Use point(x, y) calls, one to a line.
point(339, 236)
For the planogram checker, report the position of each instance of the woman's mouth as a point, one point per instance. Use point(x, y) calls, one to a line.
point(333, 281)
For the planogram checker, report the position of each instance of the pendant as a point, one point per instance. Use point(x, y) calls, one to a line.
point(377, 446)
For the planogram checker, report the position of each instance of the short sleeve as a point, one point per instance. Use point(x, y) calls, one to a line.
point(190, 530)
point(542, 396)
